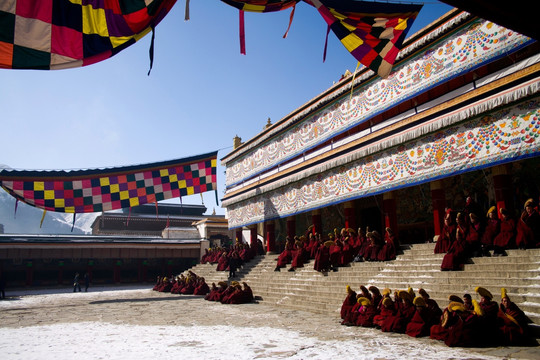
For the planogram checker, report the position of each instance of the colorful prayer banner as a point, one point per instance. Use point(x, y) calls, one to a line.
point(96, 190)
point(57, 34)
point(373, 32)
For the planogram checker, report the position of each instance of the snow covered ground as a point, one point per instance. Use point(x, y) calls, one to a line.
point(106, 340)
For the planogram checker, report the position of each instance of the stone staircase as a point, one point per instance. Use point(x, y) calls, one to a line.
point(417, 267)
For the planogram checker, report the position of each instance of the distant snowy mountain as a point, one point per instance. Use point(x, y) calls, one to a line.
point(27, 218)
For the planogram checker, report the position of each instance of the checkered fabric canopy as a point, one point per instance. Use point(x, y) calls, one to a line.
point(56, 34)
point(373, 32)
point(96, 190)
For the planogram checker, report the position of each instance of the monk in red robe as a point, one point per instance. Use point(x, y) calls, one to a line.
point(448, 234)
point(506, 239)
point(528, 227)
point(490, 321)
point(201, 288)
point(388, 250)
point(286, 255)
point(366, 313)
point(457, 253)
point(515, 323)
point(387, 310)
point(493, 227)
point(422, 320)
point(322, 258)
point(348, 303)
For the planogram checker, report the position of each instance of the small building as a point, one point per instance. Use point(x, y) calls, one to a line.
point(125, 246)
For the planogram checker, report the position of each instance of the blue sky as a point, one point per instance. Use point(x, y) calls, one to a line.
point(200, 94)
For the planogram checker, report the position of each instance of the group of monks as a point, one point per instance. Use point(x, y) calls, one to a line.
point(232, 293)
point(467, 233)
point(232, 257)
point(339, 249)
point(464, 322)
point(190, 284)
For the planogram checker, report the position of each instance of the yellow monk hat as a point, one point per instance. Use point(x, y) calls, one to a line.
point(456, 306)
point(387, 302)
point(364, 301)
point(419, 301)
point(455, 298)
point(405, 295)
point(386, 291)
point(492, 209)
point(504, 294)
point(483, 292)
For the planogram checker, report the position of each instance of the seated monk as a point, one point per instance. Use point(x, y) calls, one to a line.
point(300, 254)
point(405, 311)
point(166, 285)
point(528, 227)
point(158, 283)
point(432, 305)
point(366, 313)
point(348, 303)
point(489, 317)
point(374, 247)
point(506, 239)
point(216, 295)
point(224, 295)
point(286, 255)
point(422, 320)
point(388, 250)
point(322, 258)
point(201, 287)
point(515, 323)
point(223, 262)
point(213, 289)
point(234, 295)
point(241, 295)
point(440, 331)
point(386, 311)
point(457, 253)
point(376, 296)
point(448, 234)
point(466, 328)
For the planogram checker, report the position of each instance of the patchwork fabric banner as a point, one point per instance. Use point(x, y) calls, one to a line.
point(372, 32)
point(85, 191)
point(56, 34)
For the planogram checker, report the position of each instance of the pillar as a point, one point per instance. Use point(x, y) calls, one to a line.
point(291, 227)
point(316, 221)
point(502, 182)
point(438, 203)
point(60, 271)
point(238, 235)
point(29, 273)
point(390, 211)
point(253, 235)
point(350, 216)
point(270, 236)
point(116, 271)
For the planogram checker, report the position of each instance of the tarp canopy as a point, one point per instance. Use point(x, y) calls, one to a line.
point(96, 190)
point(61, 34)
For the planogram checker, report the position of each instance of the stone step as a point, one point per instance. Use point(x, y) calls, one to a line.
point(308, 290)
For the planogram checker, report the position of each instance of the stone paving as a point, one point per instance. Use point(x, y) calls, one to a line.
point(147, 307)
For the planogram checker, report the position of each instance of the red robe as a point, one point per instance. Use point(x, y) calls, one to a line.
point(420, 323)
point(446, 239)
point(348, 304)
point(366, 316)
point(388, 251)
point(506, 237)
point(528, 230)
point(493, 228)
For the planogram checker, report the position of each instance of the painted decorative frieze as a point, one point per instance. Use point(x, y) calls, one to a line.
point(479, 43)
point(505, 135)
